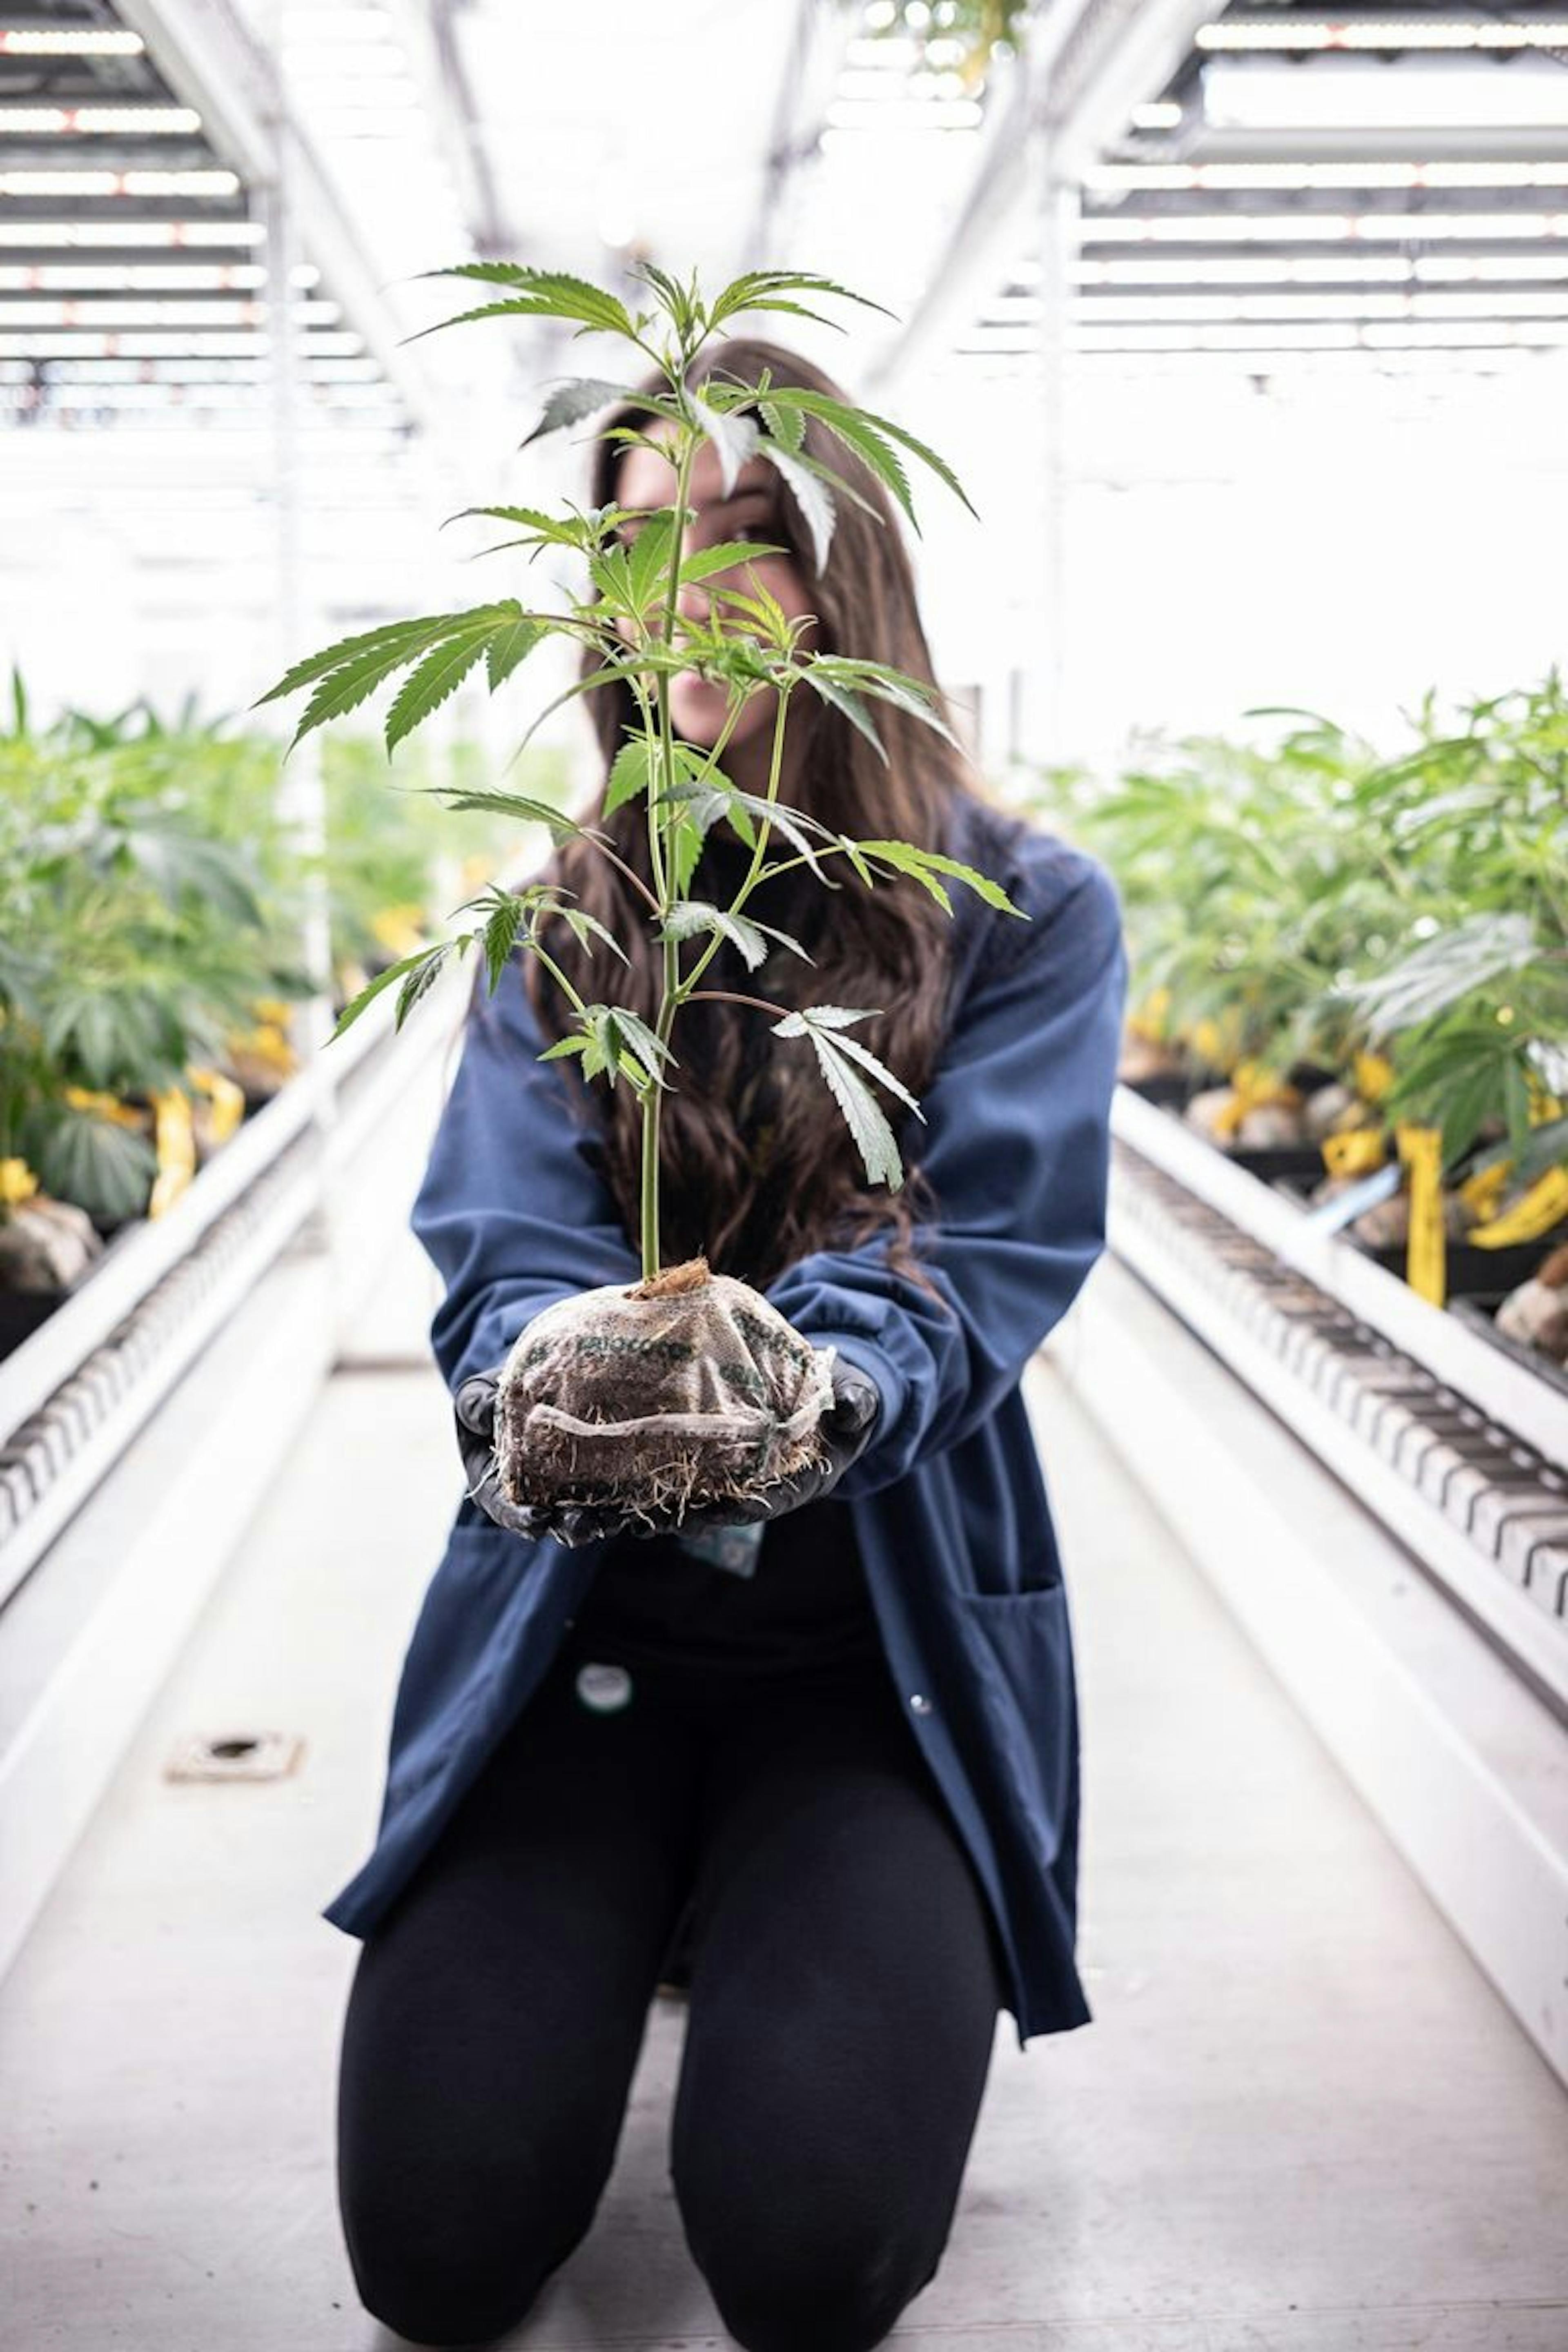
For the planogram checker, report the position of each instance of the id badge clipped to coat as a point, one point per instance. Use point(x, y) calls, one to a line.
point(734, 1548)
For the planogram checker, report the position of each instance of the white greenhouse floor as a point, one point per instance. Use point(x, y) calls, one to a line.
point(1300, 2122)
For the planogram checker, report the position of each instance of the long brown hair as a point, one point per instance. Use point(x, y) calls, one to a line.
point(756, 1166)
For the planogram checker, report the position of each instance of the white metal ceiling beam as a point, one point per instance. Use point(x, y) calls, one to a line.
point(430, 35)
point(815, 51)
point(1084, 66)
point(211, 60)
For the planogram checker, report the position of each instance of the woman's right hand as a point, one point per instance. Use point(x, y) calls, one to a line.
point(570, 1523)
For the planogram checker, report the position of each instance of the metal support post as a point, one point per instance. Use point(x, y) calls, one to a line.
point(1055, 209)
point(301, 796)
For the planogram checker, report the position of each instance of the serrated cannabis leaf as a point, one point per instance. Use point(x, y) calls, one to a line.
point(518, 804)
point(728, 557)
point(734, 437)
point(824, 1024)
point(629, 776)
point(811, 495)
point(549, 293)
point(500, 936)
point(509, 647)
point(926, 864)
point(647, 562)
point(439, 675)
point(580, 396)
point(823, 684)
point(761, 289)
point(407, 967)
point(688, 916)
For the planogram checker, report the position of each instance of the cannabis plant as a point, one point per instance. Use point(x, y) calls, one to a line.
point(629, 620)
point(1474, 1012)
point(144, 904)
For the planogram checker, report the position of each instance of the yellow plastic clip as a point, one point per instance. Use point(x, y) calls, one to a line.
point(226, 1099)
point(1374, 1075)
point(109, 1107)
point(1355, 1151)
point(1534, 1213)
point(1252, 1086)
point(17, 1183)
point(1426, 1255)
point(175, 1143)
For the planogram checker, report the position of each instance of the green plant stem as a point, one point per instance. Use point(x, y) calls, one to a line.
point(558, 976)
point(748, 882)
point(661, 850)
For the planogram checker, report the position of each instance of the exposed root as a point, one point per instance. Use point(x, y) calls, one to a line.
point(691, 1478)
point(674, 1281)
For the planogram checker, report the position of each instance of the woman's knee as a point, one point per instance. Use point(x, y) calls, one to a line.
point(455, 2251)
point(795, 2275)
point(826, 2297)
point(445, 2291)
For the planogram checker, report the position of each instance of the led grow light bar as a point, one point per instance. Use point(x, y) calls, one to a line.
point(1123, 179)
point(150, 233)
point(1332, 269)
point(1386, 34)
point(81, 344)
point(1268, 98)
point(1292, 305)
point(1423, 335)
point(86, 121)
point(188, 371)
point(1325, 228)
point(118, 183)
point(33, 41)
point(253, 400)
point(120, 278)
point(157, 314)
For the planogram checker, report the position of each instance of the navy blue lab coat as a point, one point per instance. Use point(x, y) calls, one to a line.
point(948, 1501)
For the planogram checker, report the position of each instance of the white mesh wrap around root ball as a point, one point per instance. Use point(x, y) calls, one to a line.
point(688, 1390)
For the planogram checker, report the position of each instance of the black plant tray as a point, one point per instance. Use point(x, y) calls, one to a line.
point(1481, 1273)
point(22, 1312)
point(1471, 1272)
point(1481, 1314)
point(1273, 1160)
point(1167, 1089)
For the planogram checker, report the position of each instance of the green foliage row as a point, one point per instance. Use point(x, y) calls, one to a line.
point(150, 895)
point(1312, 897)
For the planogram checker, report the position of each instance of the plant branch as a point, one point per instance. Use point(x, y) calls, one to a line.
point(558, 976)
point(633, 877)
point(729, 996)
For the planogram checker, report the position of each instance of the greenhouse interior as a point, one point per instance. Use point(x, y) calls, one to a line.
point(1017, 662)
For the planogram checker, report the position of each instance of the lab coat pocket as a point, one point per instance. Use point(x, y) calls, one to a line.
point(1022, 1649)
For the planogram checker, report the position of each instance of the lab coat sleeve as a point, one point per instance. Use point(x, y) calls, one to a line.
point(514, 1209)
point(1016, 1148)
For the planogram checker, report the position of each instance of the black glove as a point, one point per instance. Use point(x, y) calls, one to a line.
point(569, 1523)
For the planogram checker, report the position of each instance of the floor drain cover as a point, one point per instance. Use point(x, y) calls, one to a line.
point(235, 1756)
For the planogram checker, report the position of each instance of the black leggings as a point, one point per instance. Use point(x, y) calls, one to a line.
point(844, 1992)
